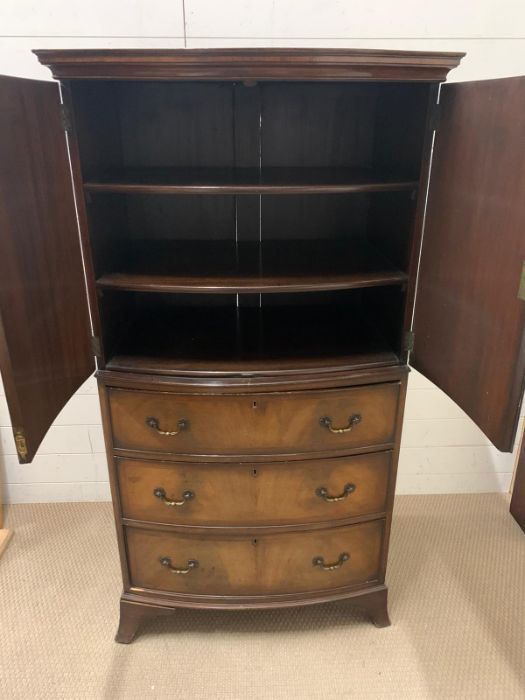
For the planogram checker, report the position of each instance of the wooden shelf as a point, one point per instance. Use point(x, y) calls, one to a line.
point(269, 340)
point(273, 267)
point(224, 181)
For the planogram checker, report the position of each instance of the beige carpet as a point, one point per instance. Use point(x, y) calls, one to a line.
point(457, 602)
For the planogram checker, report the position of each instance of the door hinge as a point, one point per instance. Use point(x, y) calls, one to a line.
point(21, 444)
point(435, 117)
point(408, 341)
point(65, 116)
point(96, 347)
point(521, 288)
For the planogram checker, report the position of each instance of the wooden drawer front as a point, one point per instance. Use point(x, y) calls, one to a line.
point(222, 424)
point(260, 494)
point(241, 565)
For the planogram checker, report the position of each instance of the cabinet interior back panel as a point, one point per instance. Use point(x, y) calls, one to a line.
point(328, 124)
point(184, 124)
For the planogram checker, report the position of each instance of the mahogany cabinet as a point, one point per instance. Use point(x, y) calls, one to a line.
point(244, 242)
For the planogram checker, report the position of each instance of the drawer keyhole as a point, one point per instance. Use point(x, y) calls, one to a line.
point(254, 472)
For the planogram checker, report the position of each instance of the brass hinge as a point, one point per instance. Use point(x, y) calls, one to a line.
point(21, 444)
point(435, 117)
point(521, 288)
point(408, 342)
point(96, 347)
point(65, 118)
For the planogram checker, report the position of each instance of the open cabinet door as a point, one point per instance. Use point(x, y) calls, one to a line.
point(45, 350)
point(469, 321)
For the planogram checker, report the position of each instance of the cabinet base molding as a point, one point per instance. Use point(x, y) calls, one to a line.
point(134, 610)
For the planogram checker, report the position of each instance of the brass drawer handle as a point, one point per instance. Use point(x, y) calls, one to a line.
point(319, 561)
point(154, 424)
point(161, 493)
point(322, 492)
point(191, 564)
point(326, 421)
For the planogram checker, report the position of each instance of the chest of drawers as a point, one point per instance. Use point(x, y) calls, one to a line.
point(245, 497)
point(233, 240)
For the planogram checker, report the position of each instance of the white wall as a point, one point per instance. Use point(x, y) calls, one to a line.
point(442, 450)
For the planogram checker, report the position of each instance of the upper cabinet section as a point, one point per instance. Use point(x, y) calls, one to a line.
point(251, 64)
point(296, 194)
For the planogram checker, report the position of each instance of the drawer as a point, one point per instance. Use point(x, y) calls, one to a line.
point(275, 493)
point(270, 564)
point(248, 424)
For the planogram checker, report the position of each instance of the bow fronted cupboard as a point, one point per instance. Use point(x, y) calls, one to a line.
point(237, 237)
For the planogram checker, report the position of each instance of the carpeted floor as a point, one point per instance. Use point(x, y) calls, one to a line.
point(457, 603)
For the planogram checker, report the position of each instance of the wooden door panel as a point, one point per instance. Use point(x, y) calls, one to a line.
point(44, 321)
point(469, 322)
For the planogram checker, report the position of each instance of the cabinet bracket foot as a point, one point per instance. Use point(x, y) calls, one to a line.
point(375, 604)
point(131, 617)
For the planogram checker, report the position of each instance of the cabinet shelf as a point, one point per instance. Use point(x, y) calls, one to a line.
point(271, 267)
point(268, 340)
point(224, 181)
